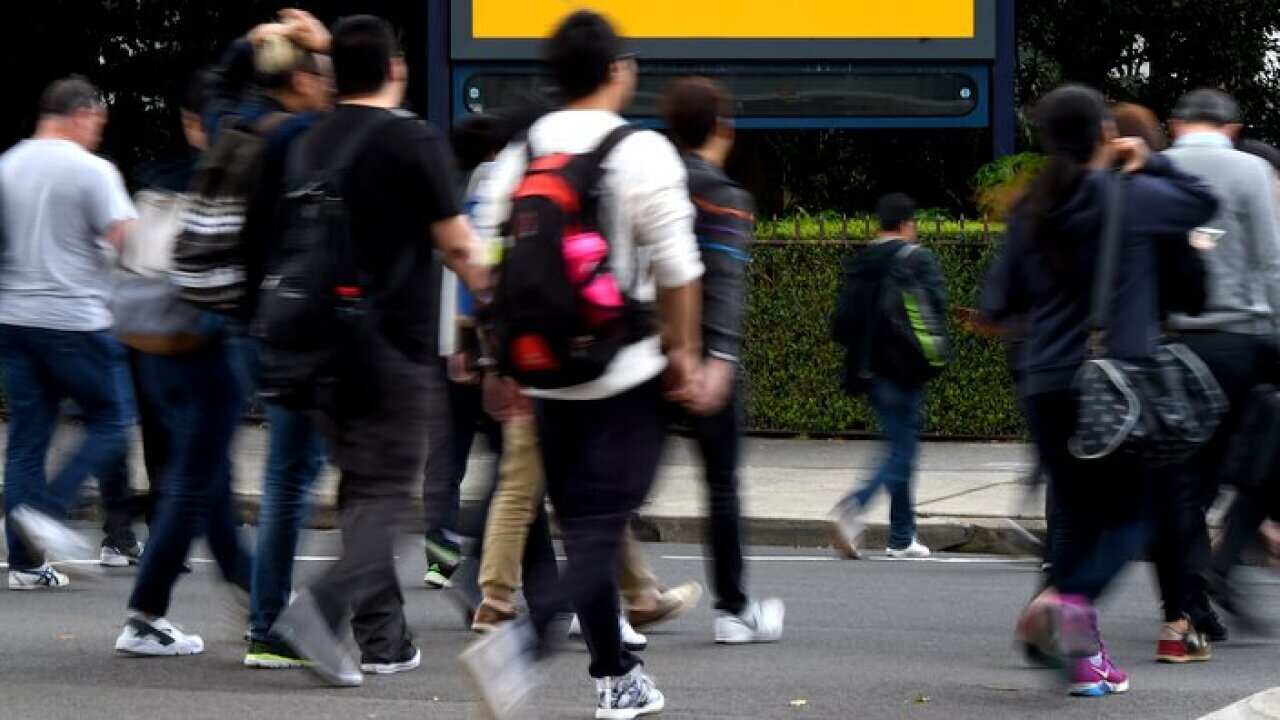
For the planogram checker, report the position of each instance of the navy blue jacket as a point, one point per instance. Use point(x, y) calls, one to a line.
point(1161, 204)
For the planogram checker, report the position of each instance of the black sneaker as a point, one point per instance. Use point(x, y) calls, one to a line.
point(1209, 624)
point(118, 554)
point(272, 656)
point(410, 658)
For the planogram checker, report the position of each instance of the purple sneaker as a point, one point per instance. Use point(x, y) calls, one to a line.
point(1077, 625)
point(1097, 676)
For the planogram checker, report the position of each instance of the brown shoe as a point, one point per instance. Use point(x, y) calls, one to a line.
point(492, 615)
point(670, 605)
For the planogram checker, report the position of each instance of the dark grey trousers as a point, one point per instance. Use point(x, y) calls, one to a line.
point(380, 448)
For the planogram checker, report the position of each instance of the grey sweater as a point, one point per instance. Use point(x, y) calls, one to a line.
point(1244, 267)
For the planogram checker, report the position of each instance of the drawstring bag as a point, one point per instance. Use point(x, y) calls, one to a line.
point(1161, 409)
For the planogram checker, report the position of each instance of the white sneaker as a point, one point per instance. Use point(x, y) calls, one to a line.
point(846, 527)
point(39, 578)
point(760, 622)
point(156, 638)
point(501, 666)
point(628, 697)
point(50, 536)
point(914, 551)
point(631, 640)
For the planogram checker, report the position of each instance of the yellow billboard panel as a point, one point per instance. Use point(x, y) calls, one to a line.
point(735, 19)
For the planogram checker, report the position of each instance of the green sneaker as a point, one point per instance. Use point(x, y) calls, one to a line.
point(272, 656)
point(442, 562)
point(437, 577)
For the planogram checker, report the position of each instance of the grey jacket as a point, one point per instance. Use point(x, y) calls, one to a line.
point(724, 227)
point(1244, 267)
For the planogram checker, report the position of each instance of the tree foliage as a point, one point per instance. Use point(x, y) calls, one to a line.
point(142, 53)
point(1152, 53)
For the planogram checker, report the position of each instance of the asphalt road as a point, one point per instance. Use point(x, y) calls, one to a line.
point(864, 640)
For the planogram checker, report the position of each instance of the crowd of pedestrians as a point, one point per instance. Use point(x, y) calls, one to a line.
point(568, 286)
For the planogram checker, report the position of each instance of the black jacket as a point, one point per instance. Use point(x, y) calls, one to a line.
point(1161, 204)
point(853, 324)
point(724, 227)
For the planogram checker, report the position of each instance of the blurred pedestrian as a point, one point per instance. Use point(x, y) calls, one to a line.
point(699, 116)
point(1045, 273)
point(65, 211)
point(875, 367)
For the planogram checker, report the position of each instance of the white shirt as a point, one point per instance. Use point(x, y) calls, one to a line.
point(645, 211)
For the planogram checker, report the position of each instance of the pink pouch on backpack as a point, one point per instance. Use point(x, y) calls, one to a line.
point(601, 298)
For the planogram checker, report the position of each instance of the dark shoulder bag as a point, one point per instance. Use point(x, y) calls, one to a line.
point(1160, 410)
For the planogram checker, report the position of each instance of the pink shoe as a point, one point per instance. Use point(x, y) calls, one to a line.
point(1097, 676)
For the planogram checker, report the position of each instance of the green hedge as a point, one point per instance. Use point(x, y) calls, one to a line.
point(795, 369)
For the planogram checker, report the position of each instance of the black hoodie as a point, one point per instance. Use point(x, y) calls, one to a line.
point(1161, 204)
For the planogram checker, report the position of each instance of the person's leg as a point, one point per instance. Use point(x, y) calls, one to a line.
point(718, 439)
point(33, 409)
point(515, 505)
point(595, 486)
point(295, 458)
point(899, 410)
point(182, 512)
point(91, 368)
point(442, 472)
point(381, 452)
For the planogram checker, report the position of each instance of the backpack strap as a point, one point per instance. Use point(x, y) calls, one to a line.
point(606, 146)
point(300, 174)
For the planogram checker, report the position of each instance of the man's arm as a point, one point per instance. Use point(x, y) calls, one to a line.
point(458, 246)
point(656, 187)
point(1266, 235)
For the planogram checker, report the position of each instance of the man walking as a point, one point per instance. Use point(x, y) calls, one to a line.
point(63, 209)
point(601, 440)
point(872, 367)
point(698, 113)
point(400, 195)
point(1235, 336)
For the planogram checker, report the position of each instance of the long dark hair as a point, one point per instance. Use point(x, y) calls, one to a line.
point(1070, 120)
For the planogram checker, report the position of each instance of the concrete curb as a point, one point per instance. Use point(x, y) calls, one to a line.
point(993, 536)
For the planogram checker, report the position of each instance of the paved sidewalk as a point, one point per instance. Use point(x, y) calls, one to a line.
point(966, 493)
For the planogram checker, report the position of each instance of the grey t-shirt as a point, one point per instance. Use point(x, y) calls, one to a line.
point(59, 200)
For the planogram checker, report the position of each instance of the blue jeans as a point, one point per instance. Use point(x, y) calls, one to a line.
point(898, 410)
point(41, 369)
point(202, 399)
point(295, 458)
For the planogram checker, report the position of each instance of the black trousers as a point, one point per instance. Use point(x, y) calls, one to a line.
point(1182, 551)
point(377, 430)
point(600, 458)
point(450, 440)
point(121, 508)
point(719, 440)
point(1100, 506)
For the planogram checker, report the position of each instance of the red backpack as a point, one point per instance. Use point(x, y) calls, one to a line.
point(559, 312)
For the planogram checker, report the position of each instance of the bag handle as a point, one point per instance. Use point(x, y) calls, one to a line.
point(1104, 278)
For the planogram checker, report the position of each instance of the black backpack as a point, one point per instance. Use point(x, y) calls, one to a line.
point(314, 313)
point(560, 315)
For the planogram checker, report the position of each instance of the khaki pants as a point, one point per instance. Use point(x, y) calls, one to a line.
point(521, 486)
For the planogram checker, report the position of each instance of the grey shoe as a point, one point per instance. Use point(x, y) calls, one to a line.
point(501, 666)
point(302, 627)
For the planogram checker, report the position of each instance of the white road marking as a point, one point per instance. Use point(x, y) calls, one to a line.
point(952, 560)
